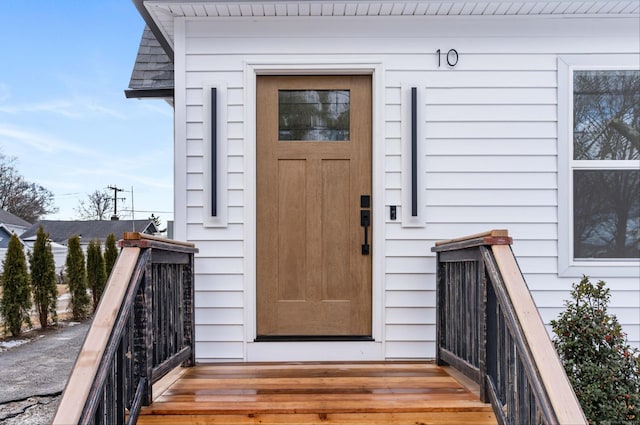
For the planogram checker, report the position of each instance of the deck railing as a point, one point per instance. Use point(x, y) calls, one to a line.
point(141, 330)
point(489, 329)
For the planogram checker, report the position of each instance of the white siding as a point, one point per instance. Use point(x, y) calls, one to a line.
point(488, 137)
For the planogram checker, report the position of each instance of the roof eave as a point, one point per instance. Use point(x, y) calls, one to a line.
point(149, 93)
point(153, 26)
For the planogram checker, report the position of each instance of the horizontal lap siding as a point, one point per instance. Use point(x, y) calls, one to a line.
point(489, 142)
point(219, 266)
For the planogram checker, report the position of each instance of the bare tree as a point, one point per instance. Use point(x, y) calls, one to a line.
point(24, 199)
point(97, 206)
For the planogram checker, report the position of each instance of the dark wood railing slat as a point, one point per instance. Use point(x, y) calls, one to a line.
point(490, 330)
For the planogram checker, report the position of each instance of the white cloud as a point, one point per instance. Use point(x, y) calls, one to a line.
point(61, 107)
point(161, 109)
point(113, 174)
point(70, 108)
point(41, 142)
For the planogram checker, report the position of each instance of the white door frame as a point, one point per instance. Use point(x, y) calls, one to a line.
point(314, 351)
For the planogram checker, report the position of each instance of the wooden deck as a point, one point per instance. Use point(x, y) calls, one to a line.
point(316, 393)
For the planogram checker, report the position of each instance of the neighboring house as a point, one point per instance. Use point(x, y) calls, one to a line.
point(10, 224)
point(13, 223)
point(5, 235)
point(294, 123)
point(60, 231)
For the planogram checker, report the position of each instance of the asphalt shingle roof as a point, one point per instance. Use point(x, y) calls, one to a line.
point(153, 69)
point(61, 231)
point(8, 218)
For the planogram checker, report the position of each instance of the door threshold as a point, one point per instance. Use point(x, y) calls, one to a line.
point(312, 338)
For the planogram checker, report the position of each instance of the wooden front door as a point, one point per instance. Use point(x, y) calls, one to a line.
point(313, 193)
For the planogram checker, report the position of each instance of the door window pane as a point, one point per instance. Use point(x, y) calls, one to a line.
point(313, 115)
point(606, 214)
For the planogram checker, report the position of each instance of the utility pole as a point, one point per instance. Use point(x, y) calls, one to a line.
point(115, 200)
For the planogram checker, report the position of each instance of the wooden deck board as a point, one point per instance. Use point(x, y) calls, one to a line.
point(307, 393)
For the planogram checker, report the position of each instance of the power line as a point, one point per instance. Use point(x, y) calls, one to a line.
point(146, 211)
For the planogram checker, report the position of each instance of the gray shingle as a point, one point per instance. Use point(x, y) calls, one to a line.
point(8, 218)
point(61, 231)
point(153, 68)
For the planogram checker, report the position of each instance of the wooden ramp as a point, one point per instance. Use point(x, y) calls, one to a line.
point(316, 393)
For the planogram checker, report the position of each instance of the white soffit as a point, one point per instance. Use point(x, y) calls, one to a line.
point(163, 11)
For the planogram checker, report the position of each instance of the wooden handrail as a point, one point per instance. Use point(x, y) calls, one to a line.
point(86, 367)
point(490, 329)
point(563, 400)
point(142, 329)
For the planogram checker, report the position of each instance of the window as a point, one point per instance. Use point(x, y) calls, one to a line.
point(603, 175)
point(314, 115)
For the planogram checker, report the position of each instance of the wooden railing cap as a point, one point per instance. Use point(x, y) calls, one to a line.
point(491, 237)
point(144, 240)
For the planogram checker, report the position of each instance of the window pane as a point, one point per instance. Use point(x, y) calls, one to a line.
point(606, 115)
point(606, 213)
point(317, 115)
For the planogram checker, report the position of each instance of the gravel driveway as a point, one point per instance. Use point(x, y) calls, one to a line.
point(34, 373)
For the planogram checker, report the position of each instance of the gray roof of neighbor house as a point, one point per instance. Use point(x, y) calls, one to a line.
point(152, 74)
point(61, 231)
point(13, 220)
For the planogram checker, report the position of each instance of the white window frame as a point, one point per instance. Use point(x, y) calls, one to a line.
point(567, 265)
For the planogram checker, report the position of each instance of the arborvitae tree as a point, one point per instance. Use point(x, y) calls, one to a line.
point(110, 253)
point(96, 275)
point(43, 279)
point(16, 297)
point(77, 279)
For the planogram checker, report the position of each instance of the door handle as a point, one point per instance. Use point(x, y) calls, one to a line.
point(365, 221)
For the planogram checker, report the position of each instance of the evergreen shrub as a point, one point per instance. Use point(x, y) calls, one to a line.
point(16, 295)
point(76, 275)
point(43, 279)
point(603, 368)
point(96, 275)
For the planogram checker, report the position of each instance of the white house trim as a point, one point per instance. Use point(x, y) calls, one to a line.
point(567, 266)
point(220, 220)
point(163, 11)
point(180, 135)
point(404, 213)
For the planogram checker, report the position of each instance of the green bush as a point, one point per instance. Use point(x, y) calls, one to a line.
point(110, 253)
point(603, 368)
point(77, 279)
point(43, 279)
point(96, 275)
point(16, 294)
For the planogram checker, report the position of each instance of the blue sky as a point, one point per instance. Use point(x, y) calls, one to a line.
point(64, 66)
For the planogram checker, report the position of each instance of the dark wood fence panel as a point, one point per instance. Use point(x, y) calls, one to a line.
point(461, 311)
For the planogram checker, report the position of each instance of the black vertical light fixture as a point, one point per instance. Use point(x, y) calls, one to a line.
point(214, 153)
point(414, 151)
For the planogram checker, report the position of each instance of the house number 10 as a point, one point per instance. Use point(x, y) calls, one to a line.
point(452, 57)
